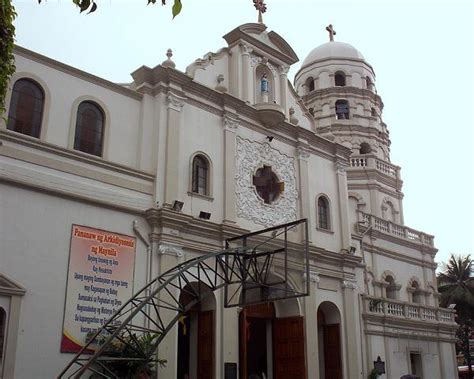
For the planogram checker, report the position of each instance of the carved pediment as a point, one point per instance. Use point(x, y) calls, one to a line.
point(10, 287)
point(271, 43)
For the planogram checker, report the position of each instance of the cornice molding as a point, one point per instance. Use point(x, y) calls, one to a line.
point(74, 155)
point(54, 64)
point(354, 92)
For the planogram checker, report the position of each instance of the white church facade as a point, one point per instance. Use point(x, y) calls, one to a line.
point(173, 164)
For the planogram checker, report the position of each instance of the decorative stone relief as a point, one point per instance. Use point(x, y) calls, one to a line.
point(175, 102)
point(174, 251)
point(206, 60)
point(255, 61)
point(273, 69)
point(250, 157)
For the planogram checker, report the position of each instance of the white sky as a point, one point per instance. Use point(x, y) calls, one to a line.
point(422, 53)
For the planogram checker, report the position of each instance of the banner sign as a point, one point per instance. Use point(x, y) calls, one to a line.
point(100, 280)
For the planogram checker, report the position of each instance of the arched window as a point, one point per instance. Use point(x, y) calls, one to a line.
point(373, 112)
point(416, 293)
point(200, 175)
point(365, 148)
point(340, 79)
point(391, 288)
point(323, 213)
point(342, 110)
point(3, 324)
point(89, 135)
point(368, 83)
point(26, 108)
point(310, 84)
point(265, 87)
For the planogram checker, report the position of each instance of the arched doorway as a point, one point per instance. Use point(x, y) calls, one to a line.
point(196, 335)
point(329, 341)
point(272, 341)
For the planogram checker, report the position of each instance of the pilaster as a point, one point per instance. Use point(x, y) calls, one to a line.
point(283, 71)
point(311, 325)
point(235, 65)
point(246, 72)
point(343, 205)
point(351, 317)
point(305, 201)
point(230, 123)
point(169, 256)
point(175, 104)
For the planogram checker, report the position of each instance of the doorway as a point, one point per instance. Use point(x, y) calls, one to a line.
point(196, 335)
point(329, 341)
point(272, 347)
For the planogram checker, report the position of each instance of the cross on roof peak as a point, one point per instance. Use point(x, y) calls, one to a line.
point(261, 7)
point(331, 31)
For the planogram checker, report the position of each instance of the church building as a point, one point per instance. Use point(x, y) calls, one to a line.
point(105, 186)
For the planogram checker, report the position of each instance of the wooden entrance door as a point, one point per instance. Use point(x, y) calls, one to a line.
point(288, 346)
point(248, 318)
point(332, 351)
point(205, 366)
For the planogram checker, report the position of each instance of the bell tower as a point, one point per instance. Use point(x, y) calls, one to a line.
point(337, 85)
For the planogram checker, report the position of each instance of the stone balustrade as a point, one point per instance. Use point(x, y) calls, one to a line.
point(405, 310)
point(389, 227)
point(372, 162)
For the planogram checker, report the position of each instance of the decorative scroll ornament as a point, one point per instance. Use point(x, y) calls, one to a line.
point(249, 158)
point(174, 251)
point(175, 102)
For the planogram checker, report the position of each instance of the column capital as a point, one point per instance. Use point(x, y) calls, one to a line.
point(175, 101)
point(340, 167)
point(351, 284)
point(302, 153)
point(230, 122)
point(175, 251)
point(245, 49)
point(283, 69)
point(313, 277)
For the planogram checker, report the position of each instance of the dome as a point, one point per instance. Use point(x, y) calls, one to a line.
point(337, 50)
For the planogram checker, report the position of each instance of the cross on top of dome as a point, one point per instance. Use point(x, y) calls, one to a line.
point(331, 31)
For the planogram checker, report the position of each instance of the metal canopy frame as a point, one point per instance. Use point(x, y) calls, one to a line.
point(245, 269)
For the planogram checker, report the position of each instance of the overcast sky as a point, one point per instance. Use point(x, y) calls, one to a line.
point(422, 53)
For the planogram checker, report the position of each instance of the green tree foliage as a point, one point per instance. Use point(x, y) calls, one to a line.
point(7, 61)
point(7, 37)
point(456, 285)
point(135, 356)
